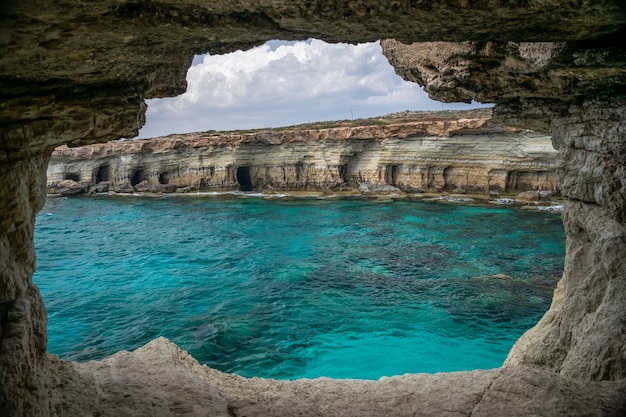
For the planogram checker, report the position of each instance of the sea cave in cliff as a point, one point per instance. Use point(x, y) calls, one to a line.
point(64, 83)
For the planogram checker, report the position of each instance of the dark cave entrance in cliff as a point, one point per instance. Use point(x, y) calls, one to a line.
point(72, 176)
point(391, 174)
point(137, 177)
point(244, 179)
point(102, 175)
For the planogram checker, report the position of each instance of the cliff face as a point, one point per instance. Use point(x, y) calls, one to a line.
point(78, 72)
point(473, 156)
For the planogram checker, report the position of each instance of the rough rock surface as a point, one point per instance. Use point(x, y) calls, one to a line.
point(159, 379)
point(77, 72)
point(511, 73)
point(584, 332)
point(466, 155)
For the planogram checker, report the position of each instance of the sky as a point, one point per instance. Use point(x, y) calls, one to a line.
point(285, 83)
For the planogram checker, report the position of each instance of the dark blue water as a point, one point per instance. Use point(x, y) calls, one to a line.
point(294, 288)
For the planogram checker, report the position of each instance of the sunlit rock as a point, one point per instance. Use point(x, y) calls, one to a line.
point(465, 155)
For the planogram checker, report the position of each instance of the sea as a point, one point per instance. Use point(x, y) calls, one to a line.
point(293, 287)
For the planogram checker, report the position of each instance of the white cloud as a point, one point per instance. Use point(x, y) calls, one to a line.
point(284, 83)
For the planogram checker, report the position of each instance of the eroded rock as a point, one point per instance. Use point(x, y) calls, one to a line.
point(68, 188)
point(78, 75)
point(458, 155)
point(165, 380)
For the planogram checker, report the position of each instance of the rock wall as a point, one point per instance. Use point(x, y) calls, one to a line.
point(582, 335)
point(473, 156)
point(24, 364)
point(584, 331)
point(75, 72)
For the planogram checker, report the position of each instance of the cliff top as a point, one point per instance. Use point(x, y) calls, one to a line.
point(406, 116)
point(399, 125)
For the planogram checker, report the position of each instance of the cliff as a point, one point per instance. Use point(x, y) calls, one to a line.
point(77, 73)
point(458, 155)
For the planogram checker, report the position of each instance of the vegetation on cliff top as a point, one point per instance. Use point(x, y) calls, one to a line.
point(406, 116)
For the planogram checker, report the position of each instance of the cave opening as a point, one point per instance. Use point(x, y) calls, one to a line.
point(103, 173)
point(72, 176)
point(164, 178)
point(391, 174)
point(137, 177)
point(447, 178)
point(343, 173)
point(244, 179)
point(582, 44)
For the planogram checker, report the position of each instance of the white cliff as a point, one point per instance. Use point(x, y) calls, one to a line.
point(463, 155)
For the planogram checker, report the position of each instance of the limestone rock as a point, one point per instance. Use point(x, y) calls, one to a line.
point(71, 187)
point(101, 187)
point(164, 381)
point(528, 196)
point(377, 189)
point(72, 74)
point(527, 80)
point(583, 332)
point(123, 188)
point(24, 366)
point(422, 156)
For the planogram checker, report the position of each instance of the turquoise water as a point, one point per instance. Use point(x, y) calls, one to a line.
point(293, 288)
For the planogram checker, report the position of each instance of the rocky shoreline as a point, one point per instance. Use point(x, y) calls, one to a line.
point(528, 200)
point(376, 157)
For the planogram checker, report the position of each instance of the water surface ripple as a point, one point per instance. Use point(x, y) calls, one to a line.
point(289, 288)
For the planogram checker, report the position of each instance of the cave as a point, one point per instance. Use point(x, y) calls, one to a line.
point(391, 174)
point(343, 173)
point(164, 178)
point(452, 177)
point(137, 177)
point(77, 76)
point(244, 179)
point(72, 177)
point(102, 174)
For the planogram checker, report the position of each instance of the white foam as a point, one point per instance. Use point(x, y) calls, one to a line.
point(503, 201)
point(553, 209)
